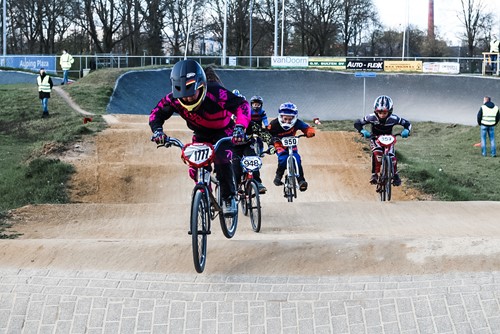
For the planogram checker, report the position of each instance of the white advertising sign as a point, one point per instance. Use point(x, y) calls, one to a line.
point(289, 61)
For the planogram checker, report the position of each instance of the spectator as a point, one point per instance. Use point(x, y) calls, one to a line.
point(45, 85)
point(494, 44)
point(487, 118)
point(66, 61)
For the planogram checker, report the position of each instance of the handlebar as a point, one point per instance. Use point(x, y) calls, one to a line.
point(171, 141)
point(275, 139)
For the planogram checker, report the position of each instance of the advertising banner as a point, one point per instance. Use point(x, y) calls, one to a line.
point(32, 63)
point(337, 63)
point(370, 65)
point(289, 61)
point(442, 67)
point(402, 65)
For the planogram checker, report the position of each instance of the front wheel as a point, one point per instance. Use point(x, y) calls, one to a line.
point(252, 198)
point(385, 179)
point(200, 228)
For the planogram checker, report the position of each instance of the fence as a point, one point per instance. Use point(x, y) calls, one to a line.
point(85, 63)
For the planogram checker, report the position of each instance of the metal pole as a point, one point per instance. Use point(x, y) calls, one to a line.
point(250, 42)
point(275, 28)
point(364, 96)
point(4, 31)
point(224, 38)
point(282, 26)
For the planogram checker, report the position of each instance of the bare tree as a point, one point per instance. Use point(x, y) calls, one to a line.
point(316, 24)
point(474, 19)
point(355, 16)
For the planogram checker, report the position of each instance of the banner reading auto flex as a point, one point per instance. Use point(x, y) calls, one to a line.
point(369, 65)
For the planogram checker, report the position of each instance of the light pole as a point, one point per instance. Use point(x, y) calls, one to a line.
point(250, 42)
point(282, 25)
point(4, 30)
point(275, 28)
point(224, 37)
point(406, 28)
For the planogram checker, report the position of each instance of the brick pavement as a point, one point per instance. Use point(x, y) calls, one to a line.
point(51, 301)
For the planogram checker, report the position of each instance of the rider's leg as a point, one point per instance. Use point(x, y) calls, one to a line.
point(282, 157)
point(300, 179)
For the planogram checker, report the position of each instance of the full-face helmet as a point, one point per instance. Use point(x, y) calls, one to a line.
point(256, 99)
point(287, 115)
point(238, 93)
point(383, 103)
point(187, 78)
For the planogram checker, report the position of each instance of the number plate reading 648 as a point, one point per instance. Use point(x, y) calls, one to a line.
point(289, 141)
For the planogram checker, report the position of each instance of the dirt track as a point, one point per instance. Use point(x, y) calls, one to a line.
point(131, 213)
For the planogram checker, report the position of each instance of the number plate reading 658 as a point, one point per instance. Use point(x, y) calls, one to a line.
point(289, 141)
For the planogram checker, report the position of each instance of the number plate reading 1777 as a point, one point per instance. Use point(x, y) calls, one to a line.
point(290, 141)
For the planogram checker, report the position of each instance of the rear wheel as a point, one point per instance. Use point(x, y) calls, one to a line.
point(252, 198)
point(200, 228)
point(227, 224)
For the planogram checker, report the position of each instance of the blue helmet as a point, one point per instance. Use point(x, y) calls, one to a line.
point(288, 109)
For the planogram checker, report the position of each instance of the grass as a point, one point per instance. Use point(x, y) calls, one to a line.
point(29, 173)
point(438, 159)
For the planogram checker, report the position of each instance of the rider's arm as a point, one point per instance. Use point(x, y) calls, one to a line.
point(160, 113)
point(308, 130)
point(239, 107)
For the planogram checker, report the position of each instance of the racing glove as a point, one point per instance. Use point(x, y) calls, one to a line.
point(159, 137)
point(405, 133)
point(366, 133)
point(272, 150)
point(238, 135)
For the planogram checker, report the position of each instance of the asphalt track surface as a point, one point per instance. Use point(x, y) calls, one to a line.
point(335, 261)
point(328, 95)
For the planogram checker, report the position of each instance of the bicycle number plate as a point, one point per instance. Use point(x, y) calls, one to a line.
point(198, 154)
point(386, 139)
point(290, 141)
point(251, 163)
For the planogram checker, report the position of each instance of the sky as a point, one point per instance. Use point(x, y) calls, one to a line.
point(394, 13)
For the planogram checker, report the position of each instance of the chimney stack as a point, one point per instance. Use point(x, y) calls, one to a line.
point(430, 20)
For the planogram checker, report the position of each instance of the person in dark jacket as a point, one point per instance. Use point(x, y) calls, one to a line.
point(45, 85)
point(487, 118)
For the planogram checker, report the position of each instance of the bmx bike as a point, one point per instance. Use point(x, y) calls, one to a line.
point(248, 189)
point(290, 185)
point(206, 204)
point(386, 176)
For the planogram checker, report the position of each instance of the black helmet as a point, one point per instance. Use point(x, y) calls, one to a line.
point(187, 77)
point(257, 99)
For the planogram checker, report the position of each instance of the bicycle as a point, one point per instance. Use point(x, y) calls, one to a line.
point(248, 189)
point(385, 179)
point(292, 168)
point(206, 204)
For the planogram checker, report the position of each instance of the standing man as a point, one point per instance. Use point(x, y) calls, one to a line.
point(45, 85)
point(494, 44)
point(487, 117)
point(66, 61)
